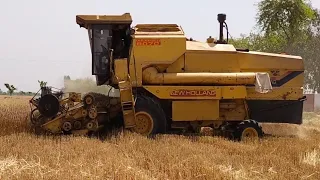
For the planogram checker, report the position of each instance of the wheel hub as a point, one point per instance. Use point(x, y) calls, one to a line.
point(67, 126)
point(249, 133)
point(144, 123)
point(88, 99)
point(92, 125)
point(77, 125)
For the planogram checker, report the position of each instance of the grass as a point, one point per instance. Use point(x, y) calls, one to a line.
point(293, 154)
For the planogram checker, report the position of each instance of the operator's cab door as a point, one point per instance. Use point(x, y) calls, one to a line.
point(100, 46)
point(109, 39)
point(108, 42)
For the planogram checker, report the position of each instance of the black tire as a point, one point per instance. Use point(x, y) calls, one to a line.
point(237, 134)
point(154, 109)
point(35, 120)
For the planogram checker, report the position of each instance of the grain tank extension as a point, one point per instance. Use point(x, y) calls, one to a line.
point(169, 83)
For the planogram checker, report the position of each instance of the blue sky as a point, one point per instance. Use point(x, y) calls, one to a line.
point(40, 40)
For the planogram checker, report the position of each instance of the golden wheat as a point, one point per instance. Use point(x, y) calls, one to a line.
point(294, 154)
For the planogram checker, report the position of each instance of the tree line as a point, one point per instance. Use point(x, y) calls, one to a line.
point(73, 85)
point(12, 90)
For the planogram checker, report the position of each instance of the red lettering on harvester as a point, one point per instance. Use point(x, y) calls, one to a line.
point(188, 93)
point(148, 42)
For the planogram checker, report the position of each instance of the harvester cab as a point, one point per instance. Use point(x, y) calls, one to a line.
point(110, 38)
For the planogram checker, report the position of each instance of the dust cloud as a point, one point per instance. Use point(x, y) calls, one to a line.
point(310, 125)
point(86, 85)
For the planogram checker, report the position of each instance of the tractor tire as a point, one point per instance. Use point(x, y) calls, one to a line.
point(150, 117)
point(247, 129)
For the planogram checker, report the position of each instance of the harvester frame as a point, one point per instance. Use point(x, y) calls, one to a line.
point(168, 82)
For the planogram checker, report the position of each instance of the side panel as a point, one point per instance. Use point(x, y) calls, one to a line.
point(177, 66)
point(120, 68)
point(158, 49)
point(276, 111)
point(198, 92)
point(195, 110)
point(231, 106)
point(257, 60)
point(206, 61)
point(235, 110)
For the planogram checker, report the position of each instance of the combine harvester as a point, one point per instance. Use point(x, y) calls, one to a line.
point(169, 83)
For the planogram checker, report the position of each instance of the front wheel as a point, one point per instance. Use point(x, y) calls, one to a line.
point(150, 117)
point(248, 129)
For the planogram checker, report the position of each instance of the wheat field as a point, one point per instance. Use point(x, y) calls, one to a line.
point(294, 153)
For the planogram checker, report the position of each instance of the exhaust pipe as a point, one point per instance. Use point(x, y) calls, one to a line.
point(221, 18)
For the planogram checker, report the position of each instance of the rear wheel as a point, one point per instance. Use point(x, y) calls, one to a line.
point(150, 117)
point(247, 130)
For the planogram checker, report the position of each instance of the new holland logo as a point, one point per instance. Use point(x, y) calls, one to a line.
point(192, 93)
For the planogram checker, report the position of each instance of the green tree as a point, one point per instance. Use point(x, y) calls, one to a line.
point(259, 42)
point(309, 50)
point(10, 88)
point(290, 20)
point(42, 83)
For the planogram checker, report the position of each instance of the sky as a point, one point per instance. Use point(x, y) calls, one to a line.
point(40, 40)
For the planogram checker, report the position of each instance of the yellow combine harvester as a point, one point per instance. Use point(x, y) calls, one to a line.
point(168, 83)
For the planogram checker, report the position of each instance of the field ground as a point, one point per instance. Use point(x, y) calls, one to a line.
point(294, 154)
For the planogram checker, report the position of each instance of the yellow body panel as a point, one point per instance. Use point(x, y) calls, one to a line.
point(198, 92)
point(155, 49)
point(237, 111)
point(195, 110)
point(176, 67)
point(121, 71)
point(259, 60)
point(223, 92)
point(206, 61)
point(152, 76)
point(211, 61)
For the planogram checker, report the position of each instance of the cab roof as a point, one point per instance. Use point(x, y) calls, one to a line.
point(86, 20)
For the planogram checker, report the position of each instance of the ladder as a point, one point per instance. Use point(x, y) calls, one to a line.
point(127, 102)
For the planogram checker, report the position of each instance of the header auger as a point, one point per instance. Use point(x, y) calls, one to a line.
point(168, 83)
point(54, 114)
